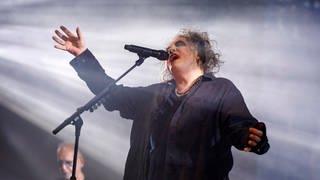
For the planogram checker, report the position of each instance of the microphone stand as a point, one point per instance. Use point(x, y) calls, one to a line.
point(92, 105)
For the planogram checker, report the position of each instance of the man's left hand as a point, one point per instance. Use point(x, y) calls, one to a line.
point(254, 138)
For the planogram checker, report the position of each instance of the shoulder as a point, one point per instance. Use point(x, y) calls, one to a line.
point(153, 89)
point(221, 82)
point(161, 85)
point(220, 86)
point(226, 83)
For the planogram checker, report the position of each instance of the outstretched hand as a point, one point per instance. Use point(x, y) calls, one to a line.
point(70, 42)
point(255, 136)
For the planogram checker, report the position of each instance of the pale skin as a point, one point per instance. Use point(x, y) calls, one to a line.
point(182, 62)
point(65, 159)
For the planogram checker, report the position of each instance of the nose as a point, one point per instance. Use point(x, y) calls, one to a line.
point(172, 49)
point(64, 168)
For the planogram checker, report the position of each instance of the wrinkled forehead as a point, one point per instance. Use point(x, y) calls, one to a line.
point(65, 154)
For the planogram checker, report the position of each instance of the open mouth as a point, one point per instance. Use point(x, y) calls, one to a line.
point(173, 57)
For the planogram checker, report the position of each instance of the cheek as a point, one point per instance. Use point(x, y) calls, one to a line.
point(189, 52)
point(80, 163)
point(65, 169)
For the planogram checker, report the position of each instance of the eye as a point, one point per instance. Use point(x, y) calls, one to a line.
point(180, 43)
point(69, 163)
point(176, 44)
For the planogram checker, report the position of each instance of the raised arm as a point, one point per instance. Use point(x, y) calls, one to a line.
point(68, 41)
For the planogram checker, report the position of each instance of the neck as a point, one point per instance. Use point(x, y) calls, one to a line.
point(185, 80)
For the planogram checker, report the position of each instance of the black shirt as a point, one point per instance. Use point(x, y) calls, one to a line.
point(173, 138)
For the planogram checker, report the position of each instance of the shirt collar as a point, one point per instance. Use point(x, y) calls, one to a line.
point(208, 76)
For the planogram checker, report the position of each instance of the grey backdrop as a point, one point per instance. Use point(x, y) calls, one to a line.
point(270, 49)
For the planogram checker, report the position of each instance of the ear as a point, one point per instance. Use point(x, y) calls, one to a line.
point(197, 56)
point(80, 162)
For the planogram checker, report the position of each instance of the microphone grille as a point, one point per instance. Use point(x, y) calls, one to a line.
point(163, 55)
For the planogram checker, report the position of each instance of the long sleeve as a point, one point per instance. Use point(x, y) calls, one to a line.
point(90, 71)
point(237, 120)
point(130, 101)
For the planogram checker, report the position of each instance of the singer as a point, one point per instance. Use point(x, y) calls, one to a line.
point(183, 128)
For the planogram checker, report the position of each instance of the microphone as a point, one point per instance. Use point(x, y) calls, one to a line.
point(146, 52)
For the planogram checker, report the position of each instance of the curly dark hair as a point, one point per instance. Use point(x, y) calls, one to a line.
point(209, 60)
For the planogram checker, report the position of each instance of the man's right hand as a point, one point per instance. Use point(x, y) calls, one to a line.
point(70, 42)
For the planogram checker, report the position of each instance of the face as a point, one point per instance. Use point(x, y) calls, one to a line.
point(182, 55)
point(65, 161)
